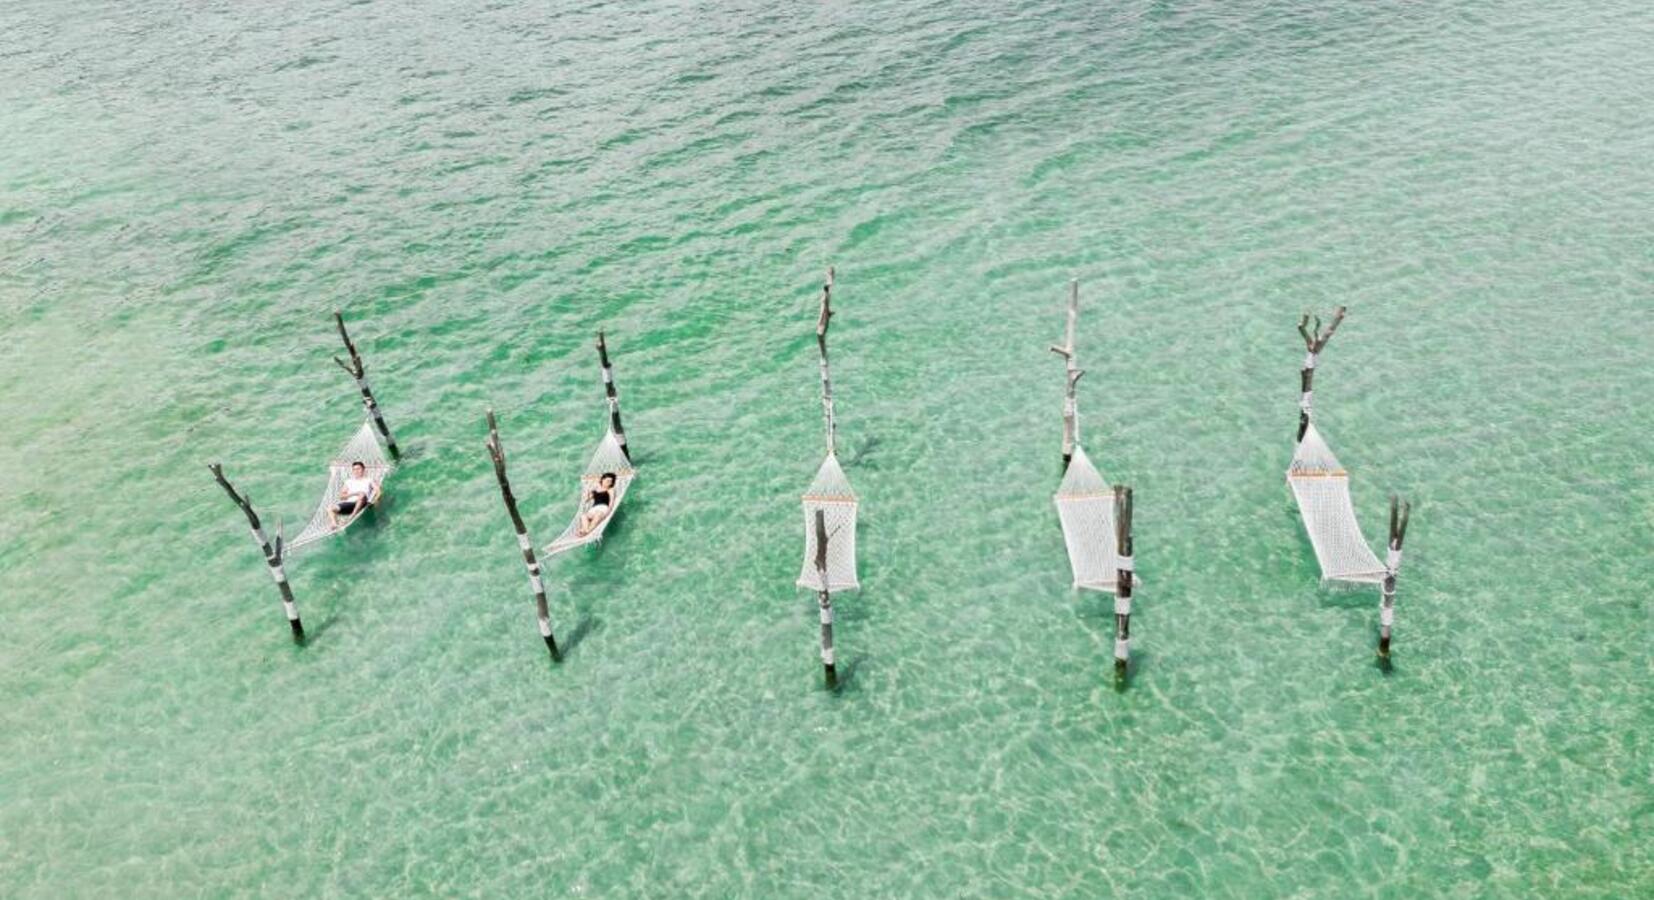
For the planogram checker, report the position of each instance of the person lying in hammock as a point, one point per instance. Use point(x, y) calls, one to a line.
point(600, 500)
point(357, 494)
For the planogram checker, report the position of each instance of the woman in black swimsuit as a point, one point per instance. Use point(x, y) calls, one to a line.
point(599, 501)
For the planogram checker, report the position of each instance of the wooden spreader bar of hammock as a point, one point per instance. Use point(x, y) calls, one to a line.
point(1338, 474)
point(828, 498)
point(618, 473)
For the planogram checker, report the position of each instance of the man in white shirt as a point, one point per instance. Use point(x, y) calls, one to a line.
point(358, 493)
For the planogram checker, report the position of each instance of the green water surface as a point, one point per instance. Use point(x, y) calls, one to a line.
point(189, 189)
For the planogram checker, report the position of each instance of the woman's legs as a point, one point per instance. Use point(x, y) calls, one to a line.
point(590, 519)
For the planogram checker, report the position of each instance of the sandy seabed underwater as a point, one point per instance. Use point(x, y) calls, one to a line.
point(188, 191)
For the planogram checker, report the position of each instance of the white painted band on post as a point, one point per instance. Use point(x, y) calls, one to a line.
point(258, 536)
point(1068, 406)
point(826, 615)
point(827, 656)
point(1306, 400)
point(279, 574)
point(535, 582)
point(1122, 648)
point(1126, 564)
point(608, 376)
point(545, 628)
point(523, 541)
point(1122, 605)
point(1387, 616)
point(292, 611)
point(1392, 559)
point(1309, 360)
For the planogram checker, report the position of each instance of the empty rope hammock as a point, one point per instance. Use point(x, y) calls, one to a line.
point(362, 447)
point(830, 493)
point(1085, 504)
point(1322, 489)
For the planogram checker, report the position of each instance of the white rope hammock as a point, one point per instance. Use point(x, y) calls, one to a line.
point(608, 457)
point(1085, 504)
point(1322, 489)
point(831, 494)
point(362, 447)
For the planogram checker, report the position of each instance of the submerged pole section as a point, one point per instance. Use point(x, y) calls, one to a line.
point(272, 553)
point(614, 398)
point(1070, 406)
point(1124, 576)
point(821, 344)
point(1399, 514)
point(358, 374)
point(1315, 339)
point(826, 601)
point(497, 454)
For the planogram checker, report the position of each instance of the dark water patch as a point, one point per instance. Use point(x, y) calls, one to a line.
point(304, 62)
point(693, 151)
point(529, 95)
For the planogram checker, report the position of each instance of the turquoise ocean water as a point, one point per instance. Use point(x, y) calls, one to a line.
point(188, 190)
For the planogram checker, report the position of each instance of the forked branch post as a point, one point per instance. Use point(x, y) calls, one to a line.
point(272, 552)
point(358, 373)
point(496, 452)
point(825, 599)
point(1124, 576)
point(822, 321)
point(1315, 340)
point(1070, 406)
point(614, 398)
point(1400, 512)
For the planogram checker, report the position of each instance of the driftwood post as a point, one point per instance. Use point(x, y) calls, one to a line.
point(272, 553)
point(1399, 514)
point(497, 454)
point(1314, 340)
point(359, 374)
point(821, 344)
point(1070, 407)
point(1124, 576)
point(826, 601)
point(614, 399)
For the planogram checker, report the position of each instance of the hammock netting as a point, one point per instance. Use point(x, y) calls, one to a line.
point(1322, 489)
point(1085, 504)
point(362, 447)
point(831, 494)
point(608, 457)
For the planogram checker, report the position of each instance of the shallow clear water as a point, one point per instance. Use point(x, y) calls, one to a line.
point(187, 191)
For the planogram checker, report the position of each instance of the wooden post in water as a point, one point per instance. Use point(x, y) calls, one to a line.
point(1123, 577)
point(821, 344)
point(1315, 339)
point(497, 453)
point(1070, 407)
point(826, 601)
point(272, 553)
point(359, 374)
point(1399, 514)
point(614, 399)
